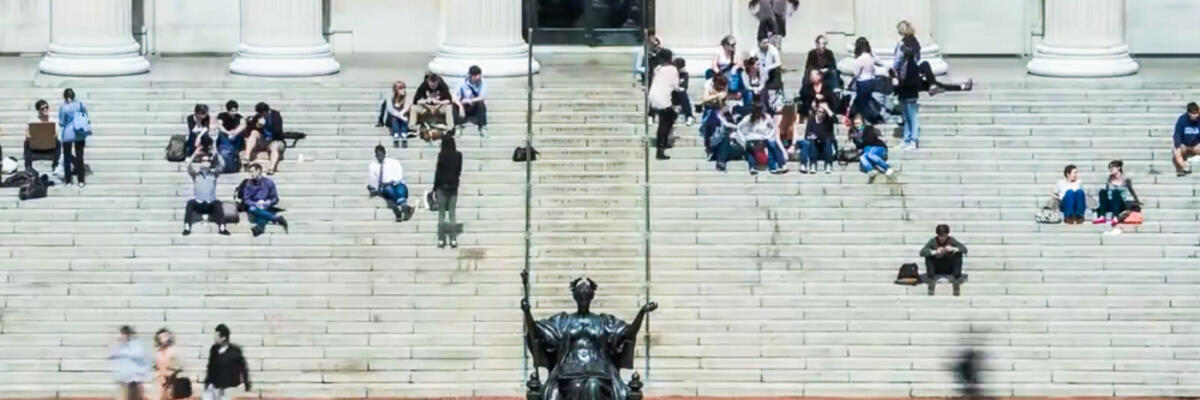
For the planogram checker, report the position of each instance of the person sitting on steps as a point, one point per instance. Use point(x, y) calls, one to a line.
point(266, 134)
point(873, 148)
point(819, 142)
point(1186, 139)
point(472, 94)
point(232, 126)
point(199, 125)
point(204, 167)
point(259, 197)
point(680, 96)
point(385, 178)
point(1072, 200)
point(431, 102)
point(943, 256)
point(43, 115)
point(1116, 196)
point(757, 133)
point(393, 113)
point(823, 60)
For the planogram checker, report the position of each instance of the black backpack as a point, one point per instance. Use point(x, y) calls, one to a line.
point(176, 151)
point(35, 189)
point(908, 275)
point(20, 179)
point(519, 154)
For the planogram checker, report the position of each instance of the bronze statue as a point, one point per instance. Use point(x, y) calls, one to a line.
point(583, 351)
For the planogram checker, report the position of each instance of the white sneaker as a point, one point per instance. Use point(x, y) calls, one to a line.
point(483, 132)
point(1114, 232)
point(690, 121)
point(803, 169)
point(890, 172)
point(828, 170)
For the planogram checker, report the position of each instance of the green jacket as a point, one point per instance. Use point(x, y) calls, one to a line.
point(931, 247)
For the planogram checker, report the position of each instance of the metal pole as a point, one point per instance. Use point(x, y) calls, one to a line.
point(646, 168)
point(528, 181)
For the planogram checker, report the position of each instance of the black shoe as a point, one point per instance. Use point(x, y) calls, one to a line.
point(395, 143)
point(721, 167)
point(662, 157)
point(454, 244)
point(187, 232)
point(1182, 173)
point(256, 231)
point(282, 222)
point(223, 232)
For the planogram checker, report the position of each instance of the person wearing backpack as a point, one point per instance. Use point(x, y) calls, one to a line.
point(74, 129)
point(204, 167)
point(227, 367)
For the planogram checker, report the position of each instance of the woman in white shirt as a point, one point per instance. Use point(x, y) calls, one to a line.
point(664, 85)
point(864, 78)
point(758, 131)
point(1072, 200)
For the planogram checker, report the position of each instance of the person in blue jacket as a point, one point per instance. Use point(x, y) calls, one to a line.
point(259, 197)
point(1187, 139)
point(74, 128)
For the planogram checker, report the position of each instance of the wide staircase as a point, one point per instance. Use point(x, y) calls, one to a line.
point(768, 285)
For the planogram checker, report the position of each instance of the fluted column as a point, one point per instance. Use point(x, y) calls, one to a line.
point(92, 38)
point(283, 38)
point(486, 33)
point(693, 29)
point(1084, 38)
point(876, 20)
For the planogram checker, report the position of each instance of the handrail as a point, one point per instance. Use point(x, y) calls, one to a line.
point(528, 184)
point(646, 177)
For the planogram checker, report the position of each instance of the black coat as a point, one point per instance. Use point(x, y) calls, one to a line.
point(449, 169)
point(228, 369)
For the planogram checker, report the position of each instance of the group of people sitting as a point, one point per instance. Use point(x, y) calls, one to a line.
point(239, 141)
point(746, 113)
point(1115, 203)
point(434, 111)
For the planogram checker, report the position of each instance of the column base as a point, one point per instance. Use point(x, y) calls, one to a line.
point(494, 61)
point(1067, 62)
point(285, 61)
point(931, 54)
point(94, 61)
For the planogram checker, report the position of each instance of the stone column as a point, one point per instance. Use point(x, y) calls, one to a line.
point(876, 20)
point(486, 33)
point(92, 38)
point(1084, 39)
point(283, 38)
point(693, 29)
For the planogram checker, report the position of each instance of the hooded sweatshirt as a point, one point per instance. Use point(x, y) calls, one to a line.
point(1187, 132)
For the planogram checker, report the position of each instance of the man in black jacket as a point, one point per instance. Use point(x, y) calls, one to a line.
point(943, 257)
point(226, 367)
point(433, 100)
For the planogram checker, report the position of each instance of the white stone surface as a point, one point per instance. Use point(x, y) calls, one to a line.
point(282, 38)
point(385, 26)
point(92, 38)
point(693, 29)
point(486, 33)
point(1084, 39)
point(24, 26)
point(876, 20)
point(186, 26)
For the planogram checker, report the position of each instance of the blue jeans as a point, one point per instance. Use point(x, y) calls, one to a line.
point(399, 128)
point(873, 158)
point(912, 126)
point(397, 192)
point(260, 216)
point(1073, 204)
point(775, 157)
point(813, 150)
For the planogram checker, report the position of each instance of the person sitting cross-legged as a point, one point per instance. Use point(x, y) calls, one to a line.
point(943, 257)
point(259, 197)
point(385, 178)
point(1186, 139)
point(204, 167)
point(431, 102)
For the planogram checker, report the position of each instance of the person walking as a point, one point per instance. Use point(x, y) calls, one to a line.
point(131, 364)
point(74, 129)
point(445, 184)
point(166, 363)
point(226, 367)
point(662, 89)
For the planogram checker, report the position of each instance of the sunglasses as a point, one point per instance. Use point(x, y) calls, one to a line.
point(43, 108)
